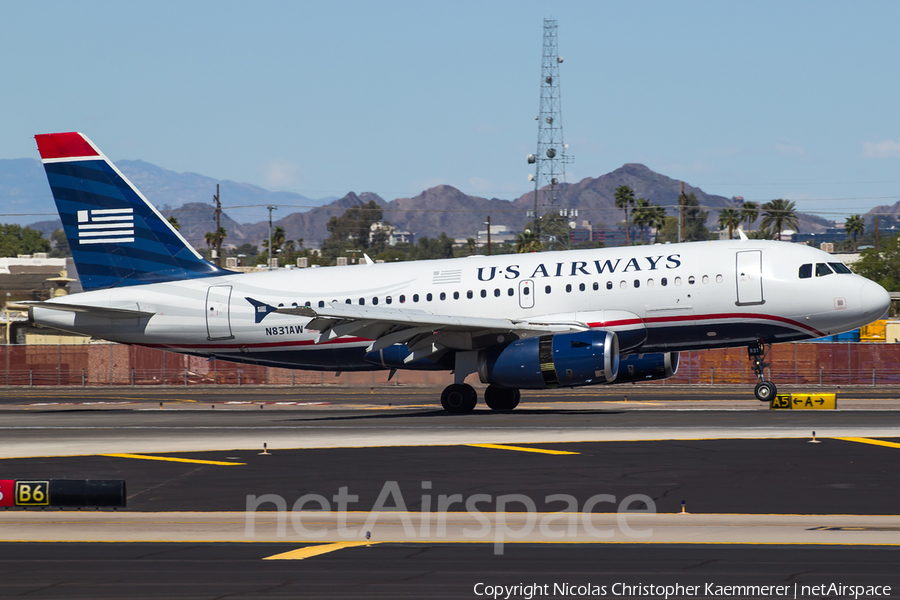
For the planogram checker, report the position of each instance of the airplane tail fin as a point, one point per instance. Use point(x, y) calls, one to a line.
point(116, 236)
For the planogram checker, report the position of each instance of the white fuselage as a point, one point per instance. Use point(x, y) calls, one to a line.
point(670, 296)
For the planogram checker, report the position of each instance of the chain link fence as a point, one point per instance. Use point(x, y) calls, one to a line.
point(811, 364)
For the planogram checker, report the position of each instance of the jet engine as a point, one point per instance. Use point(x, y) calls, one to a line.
point(645, 367)
point(550, 361)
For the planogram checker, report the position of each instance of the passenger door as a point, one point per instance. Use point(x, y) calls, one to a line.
point(748, 274)
point(218, 318)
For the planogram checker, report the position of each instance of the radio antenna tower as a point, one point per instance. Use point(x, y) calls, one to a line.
point(550, 160)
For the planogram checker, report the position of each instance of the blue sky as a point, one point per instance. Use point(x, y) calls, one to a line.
point(797, 100)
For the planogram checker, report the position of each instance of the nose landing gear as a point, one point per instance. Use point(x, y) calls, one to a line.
point(765, 390)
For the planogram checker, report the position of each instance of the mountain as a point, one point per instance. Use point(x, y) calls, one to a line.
point(25, 196)
point(441, 209)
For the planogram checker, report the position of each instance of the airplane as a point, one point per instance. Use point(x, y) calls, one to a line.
point(524, 321)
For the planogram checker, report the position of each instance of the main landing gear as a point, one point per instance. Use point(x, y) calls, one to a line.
point(765, 390)
point(461, 398)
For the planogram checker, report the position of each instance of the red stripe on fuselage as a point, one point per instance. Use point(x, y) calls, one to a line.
point(695, 318)
point(63, 145)
point(353, 340)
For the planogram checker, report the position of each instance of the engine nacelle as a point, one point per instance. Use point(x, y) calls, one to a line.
point(645, 367)
point(550, 361)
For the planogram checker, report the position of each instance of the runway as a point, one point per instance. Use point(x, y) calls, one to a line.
point(762, 503)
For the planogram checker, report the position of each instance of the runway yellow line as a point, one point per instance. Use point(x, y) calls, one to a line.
point(521, 449)
point(870, 441)
point(172, 459)
point(310, 551)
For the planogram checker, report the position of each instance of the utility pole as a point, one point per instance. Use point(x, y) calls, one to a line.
point(876, 235)
point(271, 208)
point(681, 215)
point(550, 160)
point(488, 223)
point(218, 237)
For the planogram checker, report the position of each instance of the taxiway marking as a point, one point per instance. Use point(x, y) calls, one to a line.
point(173, 459)
point(310, 551)
point(521, 449)
point(870, 441)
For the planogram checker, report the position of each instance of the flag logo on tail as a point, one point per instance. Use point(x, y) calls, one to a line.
point(106, 226)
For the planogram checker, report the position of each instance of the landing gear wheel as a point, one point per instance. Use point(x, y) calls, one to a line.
point(765, 391)
point(499, 398)
point(459, 398)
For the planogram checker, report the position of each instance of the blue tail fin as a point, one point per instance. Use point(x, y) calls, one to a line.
point(116, 236)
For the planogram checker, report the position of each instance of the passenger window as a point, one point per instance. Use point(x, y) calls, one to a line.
point(568, 287)
point(362, 301)
point(822, 270)
point(664, 281)
point(308, 303)
point(510, 292)
point(705, 279)
point(428, 296)
point(321, 304)
point(609, 285)
point(547, 289)
point(649, 283)
point(388, 300)
point(623, 285)
point(678, 281)
point(469, 294)
point(805, 271)
point(691, 280)
point(581, 287)
point(718, 279)
point(637, 283)
point(456, 295)
point(443, 295)
point(526, 290)
point(415, 297)
point(596, 286)
point(402, 299)
point(375, 300)
point(496, 292)
point(349, 301)
point(840, 268)
point(484, 293)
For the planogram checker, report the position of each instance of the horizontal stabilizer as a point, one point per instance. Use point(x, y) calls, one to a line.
point(96, 311)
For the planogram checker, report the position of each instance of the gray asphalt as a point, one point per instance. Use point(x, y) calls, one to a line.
point(778, 474)
point(425, 570)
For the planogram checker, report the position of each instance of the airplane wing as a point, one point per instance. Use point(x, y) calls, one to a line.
point(97, 311)
point(424, 333)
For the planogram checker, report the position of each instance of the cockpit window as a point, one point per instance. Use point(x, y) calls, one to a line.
point(806, 271)
point(823, 269)
point(840, 268)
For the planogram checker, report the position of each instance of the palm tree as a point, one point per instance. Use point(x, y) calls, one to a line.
point(778, 215)
point(855, 225)
point(528, 241)
point(730, 218)
point(624, 199)
point(641, 215)
point(175, 223)
point(657, 220)
point(209, 237)
point(749, 212)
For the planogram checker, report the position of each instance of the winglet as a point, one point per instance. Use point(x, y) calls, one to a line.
point(743, 236)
